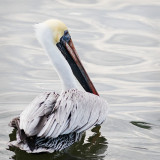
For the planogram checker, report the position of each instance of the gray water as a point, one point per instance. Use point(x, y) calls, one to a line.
point(118, 43)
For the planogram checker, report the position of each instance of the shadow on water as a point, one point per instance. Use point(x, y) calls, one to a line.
point(95, 148)
point(143, 125)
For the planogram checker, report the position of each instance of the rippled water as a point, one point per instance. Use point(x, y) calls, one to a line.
point(118, 43)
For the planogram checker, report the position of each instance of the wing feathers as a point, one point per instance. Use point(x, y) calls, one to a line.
point(34, 115)
point(72, 111)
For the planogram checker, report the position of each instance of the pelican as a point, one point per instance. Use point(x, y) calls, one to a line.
point(52, 121)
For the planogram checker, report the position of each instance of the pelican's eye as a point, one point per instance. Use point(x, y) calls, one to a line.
point(66, 37)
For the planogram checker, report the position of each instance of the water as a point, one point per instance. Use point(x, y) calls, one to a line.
point(118, 43)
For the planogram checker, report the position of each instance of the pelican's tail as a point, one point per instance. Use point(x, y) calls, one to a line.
point(14, 123)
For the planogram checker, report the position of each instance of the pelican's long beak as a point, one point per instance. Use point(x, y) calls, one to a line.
point(68, 50)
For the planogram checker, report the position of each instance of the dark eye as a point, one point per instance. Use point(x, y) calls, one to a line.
point(66, 37)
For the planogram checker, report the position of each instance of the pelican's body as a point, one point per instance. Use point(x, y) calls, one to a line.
point(54, 121)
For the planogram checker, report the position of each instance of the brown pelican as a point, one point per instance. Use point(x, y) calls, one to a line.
point(53, 121)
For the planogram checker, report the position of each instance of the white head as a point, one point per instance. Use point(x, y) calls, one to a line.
point(52, 28)
point(53, 35)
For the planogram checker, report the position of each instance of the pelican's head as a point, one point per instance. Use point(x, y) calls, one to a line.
point(57, 27)
point(59, 35)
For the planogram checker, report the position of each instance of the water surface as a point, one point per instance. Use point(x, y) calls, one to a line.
point(118, 43)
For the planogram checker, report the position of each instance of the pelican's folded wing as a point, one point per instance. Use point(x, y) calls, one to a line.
point(34, 117)
point(74, 111)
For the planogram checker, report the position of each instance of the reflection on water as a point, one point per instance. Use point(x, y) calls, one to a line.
point(142, 124)
point(95, 148)
point(118, 43)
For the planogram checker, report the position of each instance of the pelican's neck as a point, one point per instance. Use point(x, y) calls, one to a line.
point(44, 35)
